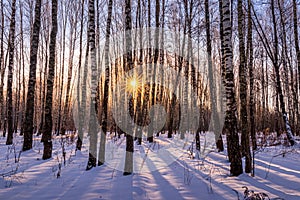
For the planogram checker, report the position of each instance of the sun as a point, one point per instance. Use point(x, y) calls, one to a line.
point(133, 83)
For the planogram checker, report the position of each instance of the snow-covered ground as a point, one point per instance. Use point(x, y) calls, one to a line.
point(277, 173)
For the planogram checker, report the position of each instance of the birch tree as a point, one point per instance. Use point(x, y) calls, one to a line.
point(128, 168)
point(28, 122)
point(106, 89)
point(213, 96)
point(47, 129)
point(93, 101)
point(81, 101)
point(11, 50)
point(243, 89)
point(230, 119)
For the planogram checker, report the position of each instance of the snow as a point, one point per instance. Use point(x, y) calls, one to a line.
point(277, 173)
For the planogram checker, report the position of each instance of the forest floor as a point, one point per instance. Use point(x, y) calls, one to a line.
point(26, 176)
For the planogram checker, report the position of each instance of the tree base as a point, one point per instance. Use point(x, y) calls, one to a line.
point(127, 173)
point(47, 150)
point(150, 139)
point(91, 163)
point(100, 163)
point(78, 144)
